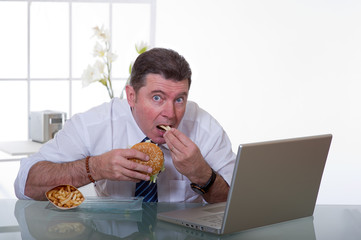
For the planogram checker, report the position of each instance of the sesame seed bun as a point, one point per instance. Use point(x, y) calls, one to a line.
point(156, 158)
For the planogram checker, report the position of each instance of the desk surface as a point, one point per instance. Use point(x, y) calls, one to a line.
point(21, 219)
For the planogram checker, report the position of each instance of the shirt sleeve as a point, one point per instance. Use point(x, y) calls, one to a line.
point(222, 159)
point(20, 181)
point(216, 149)
point(211, 139)
point(68, 145)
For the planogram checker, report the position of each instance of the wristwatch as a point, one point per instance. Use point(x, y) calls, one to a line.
point(204, 189)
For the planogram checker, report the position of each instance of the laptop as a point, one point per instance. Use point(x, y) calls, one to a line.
point(273, 182)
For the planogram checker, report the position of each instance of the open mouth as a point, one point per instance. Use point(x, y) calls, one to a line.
point(164, 127)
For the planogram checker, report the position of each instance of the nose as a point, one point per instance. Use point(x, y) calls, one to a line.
point(169, 110)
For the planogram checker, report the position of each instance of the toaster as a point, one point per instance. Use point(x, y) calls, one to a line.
point(45, 124)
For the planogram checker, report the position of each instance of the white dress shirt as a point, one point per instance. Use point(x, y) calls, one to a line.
point(110, 126)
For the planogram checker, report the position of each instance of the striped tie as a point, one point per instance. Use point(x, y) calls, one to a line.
point(147, 189)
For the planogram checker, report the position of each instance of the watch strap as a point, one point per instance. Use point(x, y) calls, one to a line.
point(205, 188)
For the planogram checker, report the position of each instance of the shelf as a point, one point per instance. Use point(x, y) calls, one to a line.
point(16, 148)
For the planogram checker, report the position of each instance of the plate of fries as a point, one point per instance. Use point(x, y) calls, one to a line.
point(65, 197)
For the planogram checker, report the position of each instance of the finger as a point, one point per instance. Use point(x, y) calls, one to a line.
point(133, 153)
point(180, 136)
point(137, 167)
point(135, 171)
point(135, 176)
point(174, 141)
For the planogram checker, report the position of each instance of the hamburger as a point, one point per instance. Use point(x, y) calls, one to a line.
point(156, 158)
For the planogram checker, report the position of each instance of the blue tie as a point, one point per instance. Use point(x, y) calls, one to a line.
point(147, 189)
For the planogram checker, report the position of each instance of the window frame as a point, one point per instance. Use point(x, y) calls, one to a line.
point(70, 78)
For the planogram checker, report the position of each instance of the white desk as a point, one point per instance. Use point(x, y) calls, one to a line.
point(26, 219)
point(16, 148)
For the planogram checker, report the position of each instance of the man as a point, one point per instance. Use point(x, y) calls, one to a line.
point(95, 146)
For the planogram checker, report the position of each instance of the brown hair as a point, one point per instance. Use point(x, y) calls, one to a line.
point(165, 62)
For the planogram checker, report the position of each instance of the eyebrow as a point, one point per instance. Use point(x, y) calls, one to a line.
point(162, 92)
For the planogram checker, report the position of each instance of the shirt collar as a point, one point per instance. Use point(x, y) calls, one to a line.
point(134, 133)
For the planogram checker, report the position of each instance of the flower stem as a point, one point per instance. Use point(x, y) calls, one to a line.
point(109, 67)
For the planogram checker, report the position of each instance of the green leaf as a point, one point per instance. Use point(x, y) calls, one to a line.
point(154, 178)
point(142, 50)
point(103, 81)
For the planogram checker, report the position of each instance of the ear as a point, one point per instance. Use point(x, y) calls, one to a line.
point(131, 96)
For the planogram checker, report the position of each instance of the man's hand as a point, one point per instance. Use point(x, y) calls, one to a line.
point(114, 165)
point(187, 157)
point(188, 160)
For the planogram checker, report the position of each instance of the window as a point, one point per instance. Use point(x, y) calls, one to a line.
point(46, 45)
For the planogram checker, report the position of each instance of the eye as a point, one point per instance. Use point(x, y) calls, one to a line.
point(179, 100)
point(156, 98)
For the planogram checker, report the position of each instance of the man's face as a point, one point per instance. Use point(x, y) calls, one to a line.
point(159, 102)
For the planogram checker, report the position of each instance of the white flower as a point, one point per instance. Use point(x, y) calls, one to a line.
point(100, 66)
point(101, 70)
point(141, 47)
point(98, 51)
point(111, 57)
point(101, 33)
point(90, 75)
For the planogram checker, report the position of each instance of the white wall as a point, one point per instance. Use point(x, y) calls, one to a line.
point(277, 69)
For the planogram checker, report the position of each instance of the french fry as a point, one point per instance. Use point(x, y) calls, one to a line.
point(164, 127)
point(65, 196)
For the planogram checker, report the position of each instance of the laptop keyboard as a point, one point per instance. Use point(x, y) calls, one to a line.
point(215, 218)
